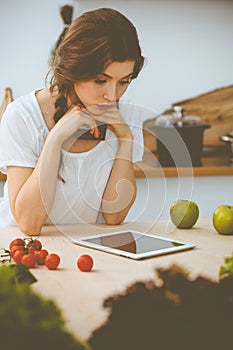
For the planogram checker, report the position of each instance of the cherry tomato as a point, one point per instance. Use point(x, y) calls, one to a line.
point(34, 244)
point(29, 260)
point(17, 242)
point(40, 256)
point(18, 254)
point(85, 263)
point(52, 261)
point(15, 248)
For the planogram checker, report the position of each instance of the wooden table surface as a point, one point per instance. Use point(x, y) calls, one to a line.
point(80, 294)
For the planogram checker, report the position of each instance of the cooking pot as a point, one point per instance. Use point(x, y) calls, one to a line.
point(229, 144)
point(179, 138)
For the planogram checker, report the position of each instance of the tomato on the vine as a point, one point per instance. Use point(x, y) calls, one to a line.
point(52, 261)
point(17, 242)
point(85, 263)
point(15, 248)
point(29, 252)
point(34, 244)
point(40, 256)
point(18, 254)
point(29, 260)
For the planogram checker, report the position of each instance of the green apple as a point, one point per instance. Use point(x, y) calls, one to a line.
point(223, 219)
point(184, 213)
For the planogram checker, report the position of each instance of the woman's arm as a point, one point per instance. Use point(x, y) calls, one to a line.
point(120, 192)
point(32, 191)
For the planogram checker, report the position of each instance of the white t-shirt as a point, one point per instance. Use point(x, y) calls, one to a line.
point(78, 200)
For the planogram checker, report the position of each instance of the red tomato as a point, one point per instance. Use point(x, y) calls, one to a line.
point(17, 242)
point(15, 248)
point(40, 256)
point(29, 260)
point(52, 261)
point(34, 244)
point(18, 254)
point(85, 263)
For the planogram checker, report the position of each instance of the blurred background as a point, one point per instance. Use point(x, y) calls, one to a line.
point(187, 43)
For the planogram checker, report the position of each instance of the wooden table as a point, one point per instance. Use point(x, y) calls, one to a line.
point(80, 295)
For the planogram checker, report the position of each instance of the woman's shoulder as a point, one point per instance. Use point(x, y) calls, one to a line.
point(24, 108)
point(24, 103)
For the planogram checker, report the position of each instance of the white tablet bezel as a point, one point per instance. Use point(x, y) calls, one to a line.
point(82, 241)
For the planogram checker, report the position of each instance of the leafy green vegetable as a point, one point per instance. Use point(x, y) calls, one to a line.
point(178, 313)
point(27, 320)
point(20, 273)
point(228, 268)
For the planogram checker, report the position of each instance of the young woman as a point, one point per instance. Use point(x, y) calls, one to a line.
point(53, 176)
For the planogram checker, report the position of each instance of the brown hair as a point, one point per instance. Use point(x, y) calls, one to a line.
point(93, 40)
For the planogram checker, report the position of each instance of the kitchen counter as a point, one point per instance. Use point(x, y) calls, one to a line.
point(2, 177)
point(80, 295)
point(149, 167)
point(213, 164)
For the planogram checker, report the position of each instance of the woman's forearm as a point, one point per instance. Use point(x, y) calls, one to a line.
point(120, 191)
point(35, 198)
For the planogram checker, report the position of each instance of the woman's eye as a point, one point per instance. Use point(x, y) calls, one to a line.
point(100, 81)
point(125, 82)
point(103, 81)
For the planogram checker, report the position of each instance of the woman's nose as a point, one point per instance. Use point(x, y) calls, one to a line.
point(111, 94)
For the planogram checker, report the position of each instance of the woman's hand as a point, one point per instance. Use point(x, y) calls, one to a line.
point(71, 121)
point(110, 115)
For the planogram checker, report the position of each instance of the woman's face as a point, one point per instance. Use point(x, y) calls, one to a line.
point(108, 86)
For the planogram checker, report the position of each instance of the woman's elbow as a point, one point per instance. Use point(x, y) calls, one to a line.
point(114, 219)
point(29, 229)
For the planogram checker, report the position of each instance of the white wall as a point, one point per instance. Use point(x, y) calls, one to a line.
point(155, 195)
point(188, 45)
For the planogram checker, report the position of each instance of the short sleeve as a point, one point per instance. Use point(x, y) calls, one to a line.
point(17, 147)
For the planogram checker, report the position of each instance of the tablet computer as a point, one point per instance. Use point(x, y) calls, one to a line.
point(84, 132)
point(133, 244)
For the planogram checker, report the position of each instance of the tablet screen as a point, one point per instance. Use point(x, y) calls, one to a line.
point(133, 244)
